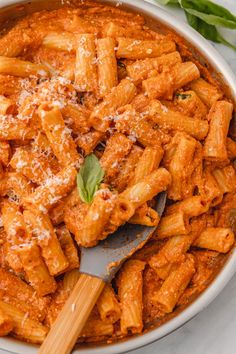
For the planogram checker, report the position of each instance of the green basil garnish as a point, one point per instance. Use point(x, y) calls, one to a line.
point(89, 178)
point(182, 96)
point(204, 16)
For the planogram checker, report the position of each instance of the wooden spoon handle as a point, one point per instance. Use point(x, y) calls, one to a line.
point(71, 320)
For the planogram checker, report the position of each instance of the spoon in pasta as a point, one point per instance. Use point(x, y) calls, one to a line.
point(98, 266)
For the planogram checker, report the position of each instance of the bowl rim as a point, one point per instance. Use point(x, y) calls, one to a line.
point(204, 299)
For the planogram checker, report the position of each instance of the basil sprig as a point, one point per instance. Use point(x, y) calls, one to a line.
point(204, 16)
point(182, 96)
point(89, 178)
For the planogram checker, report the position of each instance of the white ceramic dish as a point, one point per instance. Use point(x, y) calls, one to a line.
point(220, 66)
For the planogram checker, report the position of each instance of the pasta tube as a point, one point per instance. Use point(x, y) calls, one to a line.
point(180, 164)
point(190, 104)
point(215, 143)
point(17, 67)
point(53, 189)
point(173, 224)
point(107, 66)
point(226, 179)
point(117, 147)
point(130, 283)
point(148, 162)
point(192, 206)
point(15, 183)
point(216, 239)
point(40, 228)
point(13, 222)
point(85, 65)
point(164, 84)
point(210, 190)
point(96, 328)
point(61, 41)
point(88, 142)
point(126, 172)
point(173, 120)
point(61, 142)
point(147, 188)
point(119, 96)
point(35, 269)
point(137, 126)
point(141, 49)
point(175, 284)
point(208, 93)
point(96, 219)
point(36, 168)
point(114, 30)
point(145, 216)
point(172, 252)
point(68, 247)
point(18, 293)
point(13, 128)
point(24, 327)
point(108, 306)
point(76, 117)
point(139, 69)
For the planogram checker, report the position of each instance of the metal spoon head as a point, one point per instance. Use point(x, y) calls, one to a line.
point(106, 258)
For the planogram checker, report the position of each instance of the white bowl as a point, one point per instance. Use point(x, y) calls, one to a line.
point(220, 66)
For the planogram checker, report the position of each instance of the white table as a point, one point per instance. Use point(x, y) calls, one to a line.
point(214, 330)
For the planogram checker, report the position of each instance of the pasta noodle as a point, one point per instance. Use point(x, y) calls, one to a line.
point(215, 144)
point(85, 67)
point(175, 284)
point(130, 295)
point(140, 49)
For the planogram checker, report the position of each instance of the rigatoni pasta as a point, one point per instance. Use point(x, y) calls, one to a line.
point(139, 69)
point(40, 228)
point(216, 239)
point(140, 49)
point(85, 68)
point(130, 295)
point(103, 113)
point(175, 284)
point(24, 327)
point(58, 135)
point(17, 67)
point(215, 144)
point(108, 305)
point(107, 67)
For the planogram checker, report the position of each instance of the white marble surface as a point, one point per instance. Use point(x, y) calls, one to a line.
point(214, 330)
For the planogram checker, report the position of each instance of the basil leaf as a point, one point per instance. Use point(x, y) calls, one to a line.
point(209, 12)
point(81, 188)
point(204, 16)
point(208, 31)
point(89, 178)
point(168, 2)
point(182, 96)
